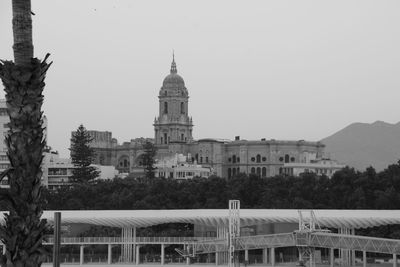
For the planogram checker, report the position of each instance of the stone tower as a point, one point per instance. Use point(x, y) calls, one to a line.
point(173, 124)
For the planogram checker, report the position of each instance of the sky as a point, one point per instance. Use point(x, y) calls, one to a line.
point(286, 70)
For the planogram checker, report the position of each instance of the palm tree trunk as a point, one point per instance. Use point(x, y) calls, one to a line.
point(22, 29)
point(23, 80)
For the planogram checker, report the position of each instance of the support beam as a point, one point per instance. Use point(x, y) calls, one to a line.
point(246, 255)
point(265, 256)
point(364, 259)
point(109, 257)
point(272, 256)
point(57, 239)
point(81, 255)
point(332, 257)
point(216, 258)
point(162, 254)
point(137, 255)
point(394, 260)
point(4, 249)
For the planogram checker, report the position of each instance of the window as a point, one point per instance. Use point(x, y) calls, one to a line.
point(281, 159)
point(292, 159)
point(253, 159)
point(182, 137)
point(165, 108)
point(201, 159)
point(234, 159)
point(264, 159)
point(264, 172)
point(182, 108)
point(258, 171)
point(238, 159)
point(238, 170)
point(286, 158)
point(229, 159)
point(234, 172)
point(229, 173)
point(206, 159)
point(258, 158)
point(165, 138)
point(162, 140)
point(253, 170)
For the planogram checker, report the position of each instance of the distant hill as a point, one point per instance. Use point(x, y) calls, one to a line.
point(361, 145)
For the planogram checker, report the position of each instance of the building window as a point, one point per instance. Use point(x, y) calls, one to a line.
point(229, 159)
point(182, 137)
point(258, 158)
point(264, 159)
point(165, 138)
point(229, 172)
point(253, 159)
point(162, 140)
point(238, 159)
point(253, 170)
point(258, 171)
point(234, 159)
point(201, 159)
point(182, 108)
point(206, 159)
point(264, 172)
point(165, 108)
point(286, 158)
point(169, 139)
point(234, 172)
point(292, 159)
point(281, 159)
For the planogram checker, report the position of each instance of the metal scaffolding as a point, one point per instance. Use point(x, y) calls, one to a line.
point(234, 229)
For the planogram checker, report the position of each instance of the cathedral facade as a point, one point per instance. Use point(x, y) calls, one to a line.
point(173, 135)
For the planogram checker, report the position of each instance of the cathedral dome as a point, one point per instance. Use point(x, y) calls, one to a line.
point(173, 79)
point(173, 84)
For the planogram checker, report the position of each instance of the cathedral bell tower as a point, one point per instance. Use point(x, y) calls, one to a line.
point(173, 124)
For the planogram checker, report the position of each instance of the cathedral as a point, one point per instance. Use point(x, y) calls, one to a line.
point(173, 129)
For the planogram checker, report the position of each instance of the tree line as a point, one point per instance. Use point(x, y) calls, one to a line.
point(347, 189)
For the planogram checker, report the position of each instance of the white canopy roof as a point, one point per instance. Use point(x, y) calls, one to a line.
point(220, 217)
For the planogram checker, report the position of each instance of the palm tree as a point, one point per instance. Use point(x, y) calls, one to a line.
point(23, 80)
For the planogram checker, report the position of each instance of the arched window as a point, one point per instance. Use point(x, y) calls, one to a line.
point(258, 158)
point(182, 108)
point(125, 163)
point(165, 138)
point(286, 158)
point(234, 172)
point(182, 137)
point(238, 170)
point(264, 172)
point(165, 108)
point(233, 159)
point(229, 172)
point(258, 171)
point(253, 170)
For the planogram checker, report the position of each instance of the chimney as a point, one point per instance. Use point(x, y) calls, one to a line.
point(237, 138)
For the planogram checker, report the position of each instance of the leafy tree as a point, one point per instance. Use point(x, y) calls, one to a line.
point(82, 156)
point(23, 230)
point(148, 160)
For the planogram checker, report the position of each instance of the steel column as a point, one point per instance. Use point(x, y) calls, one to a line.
point(162, 254)
point(137, 255)
point(272, 256)
point(81, 255)
point(364, 258)
point(332, 257)
point(394, 260)
point(109, 254)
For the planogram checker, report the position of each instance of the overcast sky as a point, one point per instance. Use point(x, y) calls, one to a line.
point(258, 69)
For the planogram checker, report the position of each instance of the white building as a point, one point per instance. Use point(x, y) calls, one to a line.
point(177, 167)
point(320, 167)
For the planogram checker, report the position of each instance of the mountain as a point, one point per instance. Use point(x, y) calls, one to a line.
point(361, 145)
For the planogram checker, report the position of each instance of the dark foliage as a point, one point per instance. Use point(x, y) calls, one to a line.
point(148, 160)
point(82, 156)
point(347, 189)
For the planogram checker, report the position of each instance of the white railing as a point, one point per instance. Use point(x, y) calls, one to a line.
point(120, 240)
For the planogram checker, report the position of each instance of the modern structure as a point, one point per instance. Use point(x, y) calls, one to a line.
point(276, 238)
point(173, 134)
